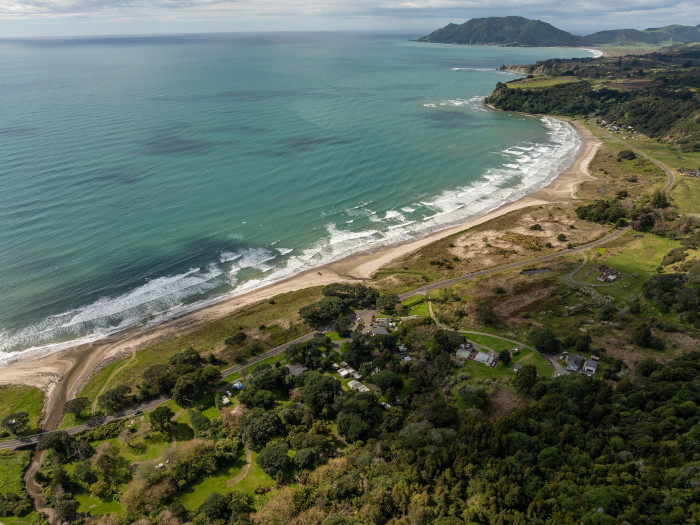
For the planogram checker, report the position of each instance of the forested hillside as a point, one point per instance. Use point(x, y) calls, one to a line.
point(663, 104)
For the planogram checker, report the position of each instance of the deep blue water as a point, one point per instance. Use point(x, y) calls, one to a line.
point(143, 176)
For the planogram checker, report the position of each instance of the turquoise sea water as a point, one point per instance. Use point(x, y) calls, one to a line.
point(143, 177)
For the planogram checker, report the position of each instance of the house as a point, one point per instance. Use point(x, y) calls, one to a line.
point(238, 384)
point(403, 350)
point(517, 367)
point(356, 375)
point(335, 366)
point(345, 372)
point(407, 358)
point(607, 274)
point(574, 362)
point(487, 359)
point(383, 321)
point(590, 367)
point(359, 387)
point(296, 369)
point(463, 353)
point(225, 401)
point(379, 330)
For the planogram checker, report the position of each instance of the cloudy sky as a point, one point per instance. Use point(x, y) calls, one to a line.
point(108, 17)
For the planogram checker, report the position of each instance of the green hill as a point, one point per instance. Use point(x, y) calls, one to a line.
point(503, 31)
point(519, 31)
point(672, 34)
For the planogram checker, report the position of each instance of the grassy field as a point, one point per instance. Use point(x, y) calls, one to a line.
point(12, 465)
point(686, 195)
point(634, 253)
point(269, 361)
point(541, 82)
point(29, 519)
point(255, 478)
point(195, 494)
point(491, 342)
point(671, 156)
point(268, 323)
point(95, 506)
point(94, 384)
point(21, 399)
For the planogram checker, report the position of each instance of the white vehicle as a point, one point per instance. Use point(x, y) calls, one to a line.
point(229, 394)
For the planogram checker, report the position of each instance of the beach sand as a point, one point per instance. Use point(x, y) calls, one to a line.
point(62, 374)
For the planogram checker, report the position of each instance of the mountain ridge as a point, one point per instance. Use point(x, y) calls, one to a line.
point(517, 31)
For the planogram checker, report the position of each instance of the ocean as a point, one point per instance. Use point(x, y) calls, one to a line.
point(144, 177)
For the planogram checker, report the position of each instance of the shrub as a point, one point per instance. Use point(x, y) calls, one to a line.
point(626, 154)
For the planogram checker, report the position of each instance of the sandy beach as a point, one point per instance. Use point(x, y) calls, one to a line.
point(73, 366)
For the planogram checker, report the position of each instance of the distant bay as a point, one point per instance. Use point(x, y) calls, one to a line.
point(143, 177)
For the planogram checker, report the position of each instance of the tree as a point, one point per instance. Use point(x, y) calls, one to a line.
point(114, 399)
point(352, 426)
point(627, 154)
point(60, 441)
point(387, 379)
point(583, 344)
point(504, 357)
point(76, 406)
point(216, 508)
point(526, 379)
point(544, 340)
point(342, 326)
point(66, 509)
point(305, 459)
point(273, 459)
point(319, 390)
point(160, 419)
point(16, 422)
point(260, 425)
point(387, 302)
point(323, 311)
point(445, 341)
point(100, 489)
point(658, 199)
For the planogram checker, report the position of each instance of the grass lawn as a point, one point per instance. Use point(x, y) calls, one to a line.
point(541, 82)
point(29, 519)
point(491, 342)
point(269, 361)
point(686, 194)
point(420, 309)
point(95, 506)
point(210, 413)
point(672, 157)
point(528, 357)
point(194, 495)
point(481, 371)
point(21, 399)
point(632, 253)
point(93, 386)
point(143, 448)
point(12, 465)
point(256, 478)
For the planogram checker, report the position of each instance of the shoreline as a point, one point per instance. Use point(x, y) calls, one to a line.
point(74, 365)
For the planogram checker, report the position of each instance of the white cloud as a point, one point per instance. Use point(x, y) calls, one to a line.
point(298, 14)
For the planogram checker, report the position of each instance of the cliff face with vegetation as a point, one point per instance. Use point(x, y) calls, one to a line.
point(519, 31)
point(655, 94)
